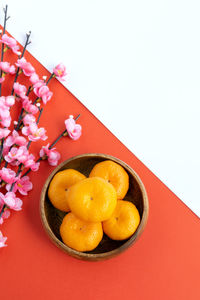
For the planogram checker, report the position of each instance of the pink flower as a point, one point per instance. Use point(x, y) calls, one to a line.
point(9, 101)
point(4, 112)
point(30, 163)
point(5, 118)
point(7, 175)
point(5, 215)
point(53, 156)
point(74, 130)
point(11, 43)
point(5, 149)
point(7, 68)
point(3, 107)
point(60, 71)
point(29, 107)
point(42, 91)
point(2, 240)
point(29, 119)
point(11, 200)
point(17, 155)
point(27, 68)
point(20, 90)
point(2, 79)
point(6, 122)
point(34, 78)
point(15, 139)
point(34, 133)
point(4, 132)
point(23, 185)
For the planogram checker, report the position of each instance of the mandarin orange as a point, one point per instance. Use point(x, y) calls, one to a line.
point(123, 222)
point(59, 186)
point(92, 199)
point(80, 235)
point(113, 173)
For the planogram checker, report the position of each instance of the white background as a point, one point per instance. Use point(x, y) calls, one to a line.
point(136, 66)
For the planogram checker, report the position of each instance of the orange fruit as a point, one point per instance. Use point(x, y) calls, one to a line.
point(80, 235)
point(113, 173)
point(92, 199)
point(123, 222)
point(59, 186)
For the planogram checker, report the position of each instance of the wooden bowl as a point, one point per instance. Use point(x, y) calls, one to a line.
point(52, 217)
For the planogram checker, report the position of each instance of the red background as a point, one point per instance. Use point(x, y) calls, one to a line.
point(163, 264)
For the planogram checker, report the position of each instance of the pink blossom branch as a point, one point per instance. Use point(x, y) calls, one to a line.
point(18, 172)
point(16, 76)
point(20, 123)
point(21, 113)
point(63, 134)
point(23, 52)
point(35, 101)
point(17, 129)
point(29, 143)
point(51, 76)
point(12, 187)
point(2, 54)
point(4, 29)
point(19, 168)
point(41, 110)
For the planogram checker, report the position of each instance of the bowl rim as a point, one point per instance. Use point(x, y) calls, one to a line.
point(94, 256)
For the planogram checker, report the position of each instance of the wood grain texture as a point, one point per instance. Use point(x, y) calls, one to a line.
point(52, 217)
